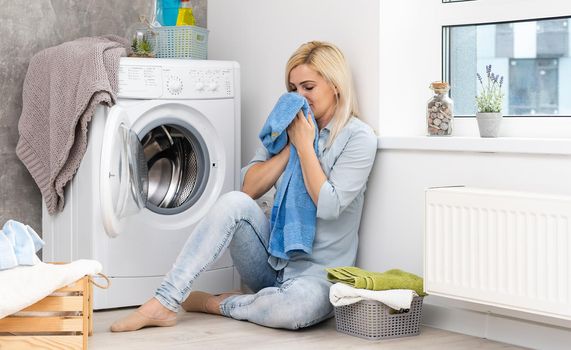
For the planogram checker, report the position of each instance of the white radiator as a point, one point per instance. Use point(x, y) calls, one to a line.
point(506, 249)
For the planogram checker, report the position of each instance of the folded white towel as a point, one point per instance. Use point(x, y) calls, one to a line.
point(22, 286)
point(341, 294)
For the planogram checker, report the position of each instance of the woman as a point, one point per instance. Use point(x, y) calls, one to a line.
point(292, 293)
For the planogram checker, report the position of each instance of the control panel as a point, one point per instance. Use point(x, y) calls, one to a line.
point(140, 81)
point(175, 82)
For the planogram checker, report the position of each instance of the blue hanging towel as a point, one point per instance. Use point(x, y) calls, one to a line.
point(292, 222)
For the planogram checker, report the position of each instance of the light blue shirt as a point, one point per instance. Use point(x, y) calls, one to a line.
point(347, 164)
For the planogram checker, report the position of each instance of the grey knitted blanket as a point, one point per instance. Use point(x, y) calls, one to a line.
point(62, 87)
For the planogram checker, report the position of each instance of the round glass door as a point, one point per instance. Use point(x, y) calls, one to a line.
point(178, 167)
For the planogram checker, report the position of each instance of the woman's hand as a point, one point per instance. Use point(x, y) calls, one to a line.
point(301, 132)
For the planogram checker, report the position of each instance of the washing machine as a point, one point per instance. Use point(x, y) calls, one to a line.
point(155, 164)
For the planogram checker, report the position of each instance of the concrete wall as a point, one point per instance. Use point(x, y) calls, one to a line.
point(26, 27)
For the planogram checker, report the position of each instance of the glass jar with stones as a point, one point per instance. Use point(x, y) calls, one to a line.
point(440, 110)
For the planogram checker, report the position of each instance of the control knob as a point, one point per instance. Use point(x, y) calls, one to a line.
point(174, 85)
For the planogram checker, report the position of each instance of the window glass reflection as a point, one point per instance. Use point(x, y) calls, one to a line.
point(533, 56)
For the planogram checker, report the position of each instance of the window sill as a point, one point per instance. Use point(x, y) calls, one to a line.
point(476, 144)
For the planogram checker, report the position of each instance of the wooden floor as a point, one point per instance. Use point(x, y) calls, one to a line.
point(201, 331)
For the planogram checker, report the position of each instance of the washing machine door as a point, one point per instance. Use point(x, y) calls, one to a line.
point(124, 176)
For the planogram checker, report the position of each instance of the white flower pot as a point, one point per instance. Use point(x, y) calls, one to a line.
point(489, 123)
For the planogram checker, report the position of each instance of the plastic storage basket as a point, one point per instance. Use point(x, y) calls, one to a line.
point(181, 42)
point(373, 320)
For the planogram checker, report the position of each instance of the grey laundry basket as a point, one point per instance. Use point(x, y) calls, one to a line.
point(373, 320)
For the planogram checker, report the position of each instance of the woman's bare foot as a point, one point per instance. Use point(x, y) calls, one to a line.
point(150, 314)
point(205, 302)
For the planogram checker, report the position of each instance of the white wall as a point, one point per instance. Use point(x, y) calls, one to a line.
point(262, 34)
point(410, 61)
point(393, 220)
point(394, 51)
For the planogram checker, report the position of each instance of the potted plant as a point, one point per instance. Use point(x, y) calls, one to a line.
point(142, 47)
point(489, 102)
point(144, 39)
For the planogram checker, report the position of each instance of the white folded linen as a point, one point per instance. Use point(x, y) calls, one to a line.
point(22, 286)
point(341, 294)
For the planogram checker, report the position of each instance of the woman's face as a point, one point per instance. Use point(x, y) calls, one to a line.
point(318, 92)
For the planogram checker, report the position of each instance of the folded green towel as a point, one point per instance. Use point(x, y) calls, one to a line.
point(391, 279)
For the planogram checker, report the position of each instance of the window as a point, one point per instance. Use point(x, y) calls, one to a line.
point(532, 55)
point(533, 86)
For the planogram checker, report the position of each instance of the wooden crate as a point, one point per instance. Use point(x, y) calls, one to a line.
point(62, 320)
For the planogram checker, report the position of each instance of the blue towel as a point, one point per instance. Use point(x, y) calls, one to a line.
point(18, 245)
point(7, 255)
point(292, 222)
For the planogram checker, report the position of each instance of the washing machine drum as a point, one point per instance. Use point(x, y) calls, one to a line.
point(177, 161)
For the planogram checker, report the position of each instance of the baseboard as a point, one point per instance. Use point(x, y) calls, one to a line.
point(134, 291)
point(462, 318)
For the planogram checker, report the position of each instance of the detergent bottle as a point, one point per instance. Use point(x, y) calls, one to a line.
point(185, 15)
point(167, 12)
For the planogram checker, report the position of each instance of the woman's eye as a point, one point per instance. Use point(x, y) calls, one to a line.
point(308, 88)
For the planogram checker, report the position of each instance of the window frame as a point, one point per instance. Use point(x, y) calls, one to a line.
point(446, 55)
point(453, 1)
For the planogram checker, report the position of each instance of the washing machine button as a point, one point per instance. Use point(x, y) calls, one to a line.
point(174, 85)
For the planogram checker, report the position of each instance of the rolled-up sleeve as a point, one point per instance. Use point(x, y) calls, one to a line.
point(261, 155)
point(348, 176)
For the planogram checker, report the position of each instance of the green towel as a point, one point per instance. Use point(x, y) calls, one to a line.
point(391, 279)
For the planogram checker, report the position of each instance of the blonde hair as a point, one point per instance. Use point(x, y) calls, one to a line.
point(328, 61)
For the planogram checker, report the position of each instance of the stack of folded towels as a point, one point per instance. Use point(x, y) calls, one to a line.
point(394, 288)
